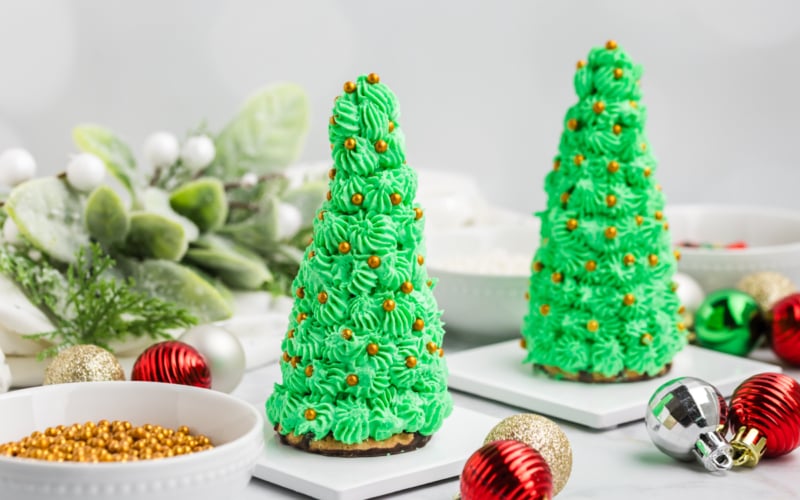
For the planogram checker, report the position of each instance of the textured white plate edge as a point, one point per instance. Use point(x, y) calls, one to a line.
point(421, 475)
point(579, 415)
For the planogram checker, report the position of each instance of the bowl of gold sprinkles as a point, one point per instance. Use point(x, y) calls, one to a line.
point(126, 440)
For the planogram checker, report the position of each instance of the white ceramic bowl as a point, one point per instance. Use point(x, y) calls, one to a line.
point(235, 427)
point(772, 236)
point(483, 274)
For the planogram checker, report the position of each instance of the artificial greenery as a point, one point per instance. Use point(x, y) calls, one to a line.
point(86, 303)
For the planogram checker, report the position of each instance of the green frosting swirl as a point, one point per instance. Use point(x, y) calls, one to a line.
point(599, 302)
point(362, 357)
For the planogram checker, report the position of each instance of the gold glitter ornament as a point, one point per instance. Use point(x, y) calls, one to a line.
point(543, 435)
point(767, 288)
point(83, 363)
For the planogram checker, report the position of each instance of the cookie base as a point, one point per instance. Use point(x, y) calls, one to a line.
point(399, 443)
point(598, 378)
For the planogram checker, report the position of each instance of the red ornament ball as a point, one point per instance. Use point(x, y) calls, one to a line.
point(785, 338)
point(506, 469)
point(172, 362)
point(770, 404)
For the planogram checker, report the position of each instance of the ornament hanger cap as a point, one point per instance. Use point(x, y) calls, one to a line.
point(748, 447)
point(714, 452)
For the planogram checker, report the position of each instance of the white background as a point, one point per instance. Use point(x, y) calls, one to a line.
point(483, 85)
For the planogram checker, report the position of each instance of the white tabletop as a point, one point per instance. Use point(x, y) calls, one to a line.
point(621, 463)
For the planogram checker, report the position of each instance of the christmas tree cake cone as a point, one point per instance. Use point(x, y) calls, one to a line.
point(603, 306)
point(363, 365)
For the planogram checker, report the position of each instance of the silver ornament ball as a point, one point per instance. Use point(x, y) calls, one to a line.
point(684, 417)
point(223, 352)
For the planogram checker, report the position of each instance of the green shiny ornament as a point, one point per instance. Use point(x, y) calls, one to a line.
point(729, 321)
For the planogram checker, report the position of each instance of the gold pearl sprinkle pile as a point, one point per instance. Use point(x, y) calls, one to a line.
point(104, 441)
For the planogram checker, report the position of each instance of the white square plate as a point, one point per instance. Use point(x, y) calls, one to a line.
point(496, 372)
point(355, 478)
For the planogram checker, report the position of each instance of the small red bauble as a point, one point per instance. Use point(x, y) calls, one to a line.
point(506, 469)
point(785, 339)
point(768, 404)
point(172, 362)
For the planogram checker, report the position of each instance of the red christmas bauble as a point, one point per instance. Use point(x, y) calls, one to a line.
point(785, 338)
point(172, 362)
point(770, 404)
point(506, 469)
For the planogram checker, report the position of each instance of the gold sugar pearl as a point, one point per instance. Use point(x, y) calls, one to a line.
point(429, 283)
point(391, 127)
point(556, 164)
point(666, 226)
point(321, 215)
point(300, 292)
point(639, 219)
point(347, 334)
point(611, 232)
point(418, 213)
point(591, 265)
point(527, 295)
point(599, 107)
point(294, 361)
point(634, 104)
point(309, 370)
point(564, 197)
point(572, 224)
point(322, 297)
point(613, 166)
point(372, 348)
point(332, 121)
point(677, 254)
point(523, 343)
point(592, 325)
point(618, 73)
point(344, 247)
point(411, 361)
point(420, 259)
point(331, 173)
point(350, 143)
point(580, 64)
point(681, 327)
point(647, 171)
point(658, 215)
point(374, 261)
point(578, 160)
point(611, 200)
point(357, 199)
point(351, 379)
point(572, 124)
point(617, 129)
point(407, 287)
point(418, 324)
point(389, 305)
point(328, 196)
point(311, 254)
point(681, 309)
point(629, 259)
point(646, 339)
point(431, 347)
point(557, 277)
point(395, 198)
point(537, 266)
point(349, 87)
point(302, 317)
point(544, 309)
point(373, 78)
point(628, 299)
point(310, 414)
point(652, 259)
point(611, 45)
point(381, 146)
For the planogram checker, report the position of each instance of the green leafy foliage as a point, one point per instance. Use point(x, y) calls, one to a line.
point(267, 134)
point(152, 235)
point(202, 201)
point(87, 306)
point(236, 266)
point(48, 215)
point(108, 147)
point(106, 217)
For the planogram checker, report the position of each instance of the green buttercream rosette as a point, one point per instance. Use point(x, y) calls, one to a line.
point(602, 300)
point(362, 357)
